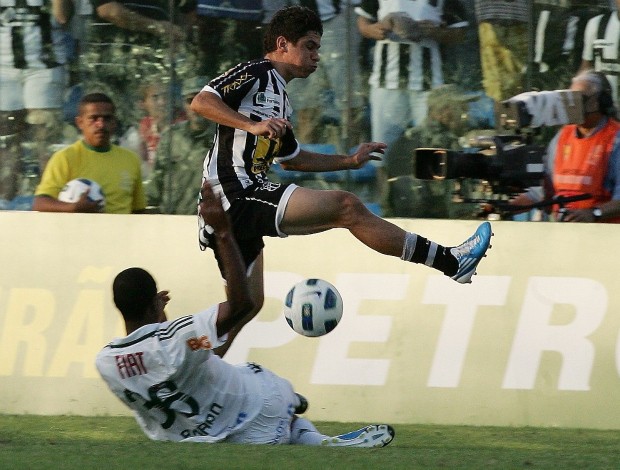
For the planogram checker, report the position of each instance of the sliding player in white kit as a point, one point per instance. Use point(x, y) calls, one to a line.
point(180, 390)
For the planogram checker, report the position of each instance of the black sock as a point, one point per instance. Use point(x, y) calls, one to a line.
point(430, 253)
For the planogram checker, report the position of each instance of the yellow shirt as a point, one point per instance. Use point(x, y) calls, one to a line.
point(117, 171)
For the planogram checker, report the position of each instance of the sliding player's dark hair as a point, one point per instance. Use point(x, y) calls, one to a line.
point(134, 290)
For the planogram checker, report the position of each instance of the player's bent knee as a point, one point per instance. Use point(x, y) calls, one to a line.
point(351, 208)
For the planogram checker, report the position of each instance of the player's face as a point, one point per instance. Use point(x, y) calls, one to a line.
point(97, 123)
point(304, 55)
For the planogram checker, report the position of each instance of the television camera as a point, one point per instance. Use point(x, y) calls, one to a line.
point(509, 163)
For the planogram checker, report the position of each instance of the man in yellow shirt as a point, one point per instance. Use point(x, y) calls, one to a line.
point(116, 169)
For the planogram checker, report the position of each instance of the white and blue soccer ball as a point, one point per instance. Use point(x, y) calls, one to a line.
point(72, 191)
point(313, 307)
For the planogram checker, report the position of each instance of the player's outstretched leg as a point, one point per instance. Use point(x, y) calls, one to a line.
point(470, 253)
point(373, 435)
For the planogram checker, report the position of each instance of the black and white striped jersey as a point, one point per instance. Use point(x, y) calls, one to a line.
point(600, 47)
point(400, 64)
point(239, 160)
point(30, 37)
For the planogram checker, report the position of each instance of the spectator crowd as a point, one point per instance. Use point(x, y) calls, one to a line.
point(431, 75)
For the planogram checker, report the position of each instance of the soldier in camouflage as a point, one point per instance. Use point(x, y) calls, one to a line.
point(180, 155)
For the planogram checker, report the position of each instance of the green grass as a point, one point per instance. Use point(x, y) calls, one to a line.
point(85, 443)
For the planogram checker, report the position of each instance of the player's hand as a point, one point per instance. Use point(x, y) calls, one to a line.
point(366, 152)
point(272, 128)
point(161, 300)
point(377, 31)
point(211, 210)
point(84, 204)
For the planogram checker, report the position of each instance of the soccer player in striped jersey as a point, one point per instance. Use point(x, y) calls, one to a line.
point(250, 105)
point(601, 44)
point(406, 64)
point(179, 390)
point(32, 83)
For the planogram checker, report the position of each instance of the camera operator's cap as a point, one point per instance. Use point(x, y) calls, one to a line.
point(450, 93)
point(192, 86)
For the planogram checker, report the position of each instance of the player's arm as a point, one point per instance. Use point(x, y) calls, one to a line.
point(44, 203)
point(238, 301)
point(312, 161)
point(62, 11)
point(121, 16)
point(372, 29)
point(211, 106)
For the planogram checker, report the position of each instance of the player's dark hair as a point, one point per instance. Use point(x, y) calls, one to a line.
point(293, 23)
point(134, 290)
point(95, 98)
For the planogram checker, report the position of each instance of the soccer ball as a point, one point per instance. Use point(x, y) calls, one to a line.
point(313, 307)
point(72, 191)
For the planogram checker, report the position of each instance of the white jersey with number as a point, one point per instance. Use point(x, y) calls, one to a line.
point(176, 386)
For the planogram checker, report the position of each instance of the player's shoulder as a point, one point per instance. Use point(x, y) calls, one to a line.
point(242, 73)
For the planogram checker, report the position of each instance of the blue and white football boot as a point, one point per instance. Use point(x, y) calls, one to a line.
point(373, 435)
point(470, 253)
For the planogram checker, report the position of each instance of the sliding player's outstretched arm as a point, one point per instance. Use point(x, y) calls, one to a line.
point(238, 303)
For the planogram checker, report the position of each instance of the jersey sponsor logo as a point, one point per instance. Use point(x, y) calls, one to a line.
point(203, 428)
point(196, 344)
point(236, 83)
point(262, 98)
point(269, 102)
point(130, 364)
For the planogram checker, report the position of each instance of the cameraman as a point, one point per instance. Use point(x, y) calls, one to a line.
point(584, 158)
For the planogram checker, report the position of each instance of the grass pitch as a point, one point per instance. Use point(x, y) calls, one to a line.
point(85, 443)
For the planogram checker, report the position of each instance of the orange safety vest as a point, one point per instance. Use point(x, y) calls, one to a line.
point(581, 165)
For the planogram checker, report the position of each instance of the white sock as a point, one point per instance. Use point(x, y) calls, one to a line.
point(304, 433)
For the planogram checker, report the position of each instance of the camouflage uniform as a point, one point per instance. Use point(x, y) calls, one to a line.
point(176, 179)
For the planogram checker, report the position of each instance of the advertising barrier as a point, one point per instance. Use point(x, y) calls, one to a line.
point(533, 341)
